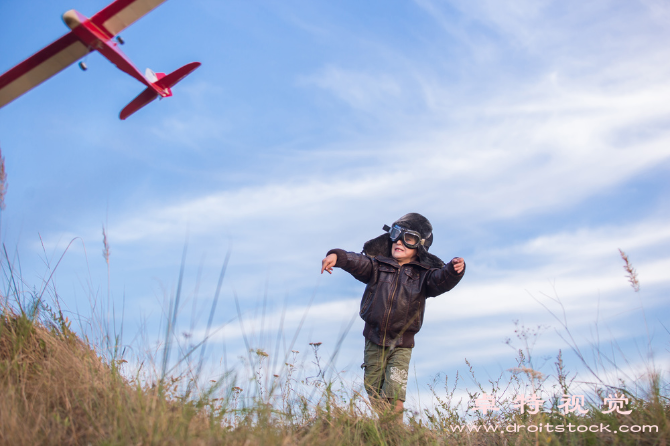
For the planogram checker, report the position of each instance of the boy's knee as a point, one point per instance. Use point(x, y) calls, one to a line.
point(398, 405)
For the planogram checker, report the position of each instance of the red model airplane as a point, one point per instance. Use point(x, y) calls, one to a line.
point(96, 33)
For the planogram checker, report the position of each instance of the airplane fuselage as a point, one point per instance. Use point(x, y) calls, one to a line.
point(98, 39)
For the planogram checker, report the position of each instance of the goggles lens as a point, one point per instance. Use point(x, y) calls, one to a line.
point(410, 239)
point(395, 233)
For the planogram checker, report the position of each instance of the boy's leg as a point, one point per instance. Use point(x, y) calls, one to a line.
point(396, 372)
point(374, 364)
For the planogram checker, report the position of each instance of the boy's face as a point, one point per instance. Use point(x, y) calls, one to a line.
point(402, 253)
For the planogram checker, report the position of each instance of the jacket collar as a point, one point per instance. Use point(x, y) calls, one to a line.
point(393, 262)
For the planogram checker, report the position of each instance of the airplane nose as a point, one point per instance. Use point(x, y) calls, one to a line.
point(71, 19)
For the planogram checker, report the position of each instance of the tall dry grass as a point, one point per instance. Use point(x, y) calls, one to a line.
point(57, 388)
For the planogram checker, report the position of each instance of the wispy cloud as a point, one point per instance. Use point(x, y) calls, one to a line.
point(365, 91)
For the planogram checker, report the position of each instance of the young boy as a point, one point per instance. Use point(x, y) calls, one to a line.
point(400, 274)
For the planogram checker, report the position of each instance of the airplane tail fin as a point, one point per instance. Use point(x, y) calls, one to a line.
point(160, 82)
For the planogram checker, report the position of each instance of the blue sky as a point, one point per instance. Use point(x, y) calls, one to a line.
point(533, 135)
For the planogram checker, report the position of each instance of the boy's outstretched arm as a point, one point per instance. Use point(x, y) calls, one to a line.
point(444, 279)
point(328, 263)
point(358, 265)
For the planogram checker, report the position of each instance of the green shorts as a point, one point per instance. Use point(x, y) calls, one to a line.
point(386, 371)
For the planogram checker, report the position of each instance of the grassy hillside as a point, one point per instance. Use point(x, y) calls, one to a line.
point(57, 389)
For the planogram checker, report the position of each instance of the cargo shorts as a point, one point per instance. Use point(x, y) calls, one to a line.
point(386, 371)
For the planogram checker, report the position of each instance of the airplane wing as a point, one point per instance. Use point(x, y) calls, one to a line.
point(122, 13)
point(40, 67)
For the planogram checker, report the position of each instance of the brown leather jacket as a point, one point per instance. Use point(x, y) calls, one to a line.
point(394, 301)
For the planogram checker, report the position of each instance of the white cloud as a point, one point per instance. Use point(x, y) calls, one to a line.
point(318, 314)
point(660, 10)
point(360, 90)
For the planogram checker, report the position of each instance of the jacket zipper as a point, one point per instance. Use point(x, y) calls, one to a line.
point(386, 325)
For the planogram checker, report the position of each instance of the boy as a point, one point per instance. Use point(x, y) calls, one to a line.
point(400, 274)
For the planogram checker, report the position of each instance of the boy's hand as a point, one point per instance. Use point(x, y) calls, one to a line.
point(458, 263)
point(328, 263)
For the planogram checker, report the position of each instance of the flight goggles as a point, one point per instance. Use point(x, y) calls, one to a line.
point(411, 239)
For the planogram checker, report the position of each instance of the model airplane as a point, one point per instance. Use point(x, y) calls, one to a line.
point(87, 35)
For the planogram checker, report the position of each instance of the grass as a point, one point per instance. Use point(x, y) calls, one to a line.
point(57, 388)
